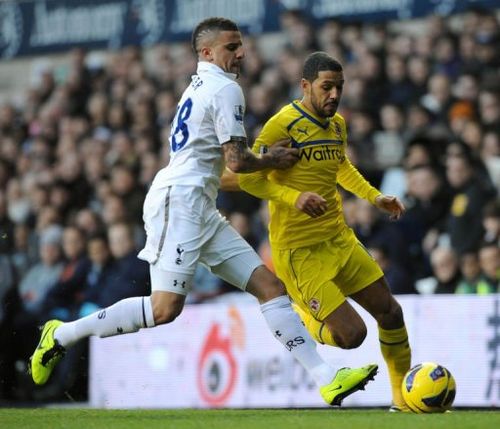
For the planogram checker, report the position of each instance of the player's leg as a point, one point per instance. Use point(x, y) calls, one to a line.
point(343, 327)
point(169, 286)
point(377, 299)
point(124, 317)
point(245, 270)
point(316, 328)
point(166, 302)
point(308, 273)
point(128, 315)
point(232, 259)
point(393, 336)
point(285, 324)
point(286, 327)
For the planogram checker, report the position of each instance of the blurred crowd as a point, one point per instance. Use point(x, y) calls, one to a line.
point(78, 154)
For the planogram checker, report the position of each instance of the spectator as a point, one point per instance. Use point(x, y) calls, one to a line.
point(398, 279)
point(398, 88)
point(427, 201)
point(361, 128)
point(427, 198)
point(22, 257)
point(97, 276)
point(438, 98)
point(445, 56)
point(464, 226)
point(489, 260)
point(6, 227)
point(472, 282)
point(389, 143)
point(371, 227)
point(446, 273)
point(88, 221)
point(124, 185)
point(419, 153)
point(66, 293)
point(128, 276)
point(490, 156)
point(418, 74)
point(489, 109)
point(43, 276)
point(491, 222)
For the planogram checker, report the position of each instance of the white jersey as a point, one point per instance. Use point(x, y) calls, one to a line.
point(209, 114)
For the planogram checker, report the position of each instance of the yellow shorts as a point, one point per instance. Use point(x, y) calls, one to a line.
point(319, 277)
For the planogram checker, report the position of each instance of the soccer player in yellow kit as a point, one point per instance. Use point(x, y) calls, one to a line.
point(314, 252)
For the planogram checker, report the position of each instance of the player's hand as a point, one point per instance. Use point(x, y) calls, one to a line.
point(282, 156)
point(391, 205)
point(311, 204)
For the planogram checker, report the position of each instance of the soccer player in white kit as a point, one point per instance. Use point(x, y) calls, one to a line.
point(184, 227)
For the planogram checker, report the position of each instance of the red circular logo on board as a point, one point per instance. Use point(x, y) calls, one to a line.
point(217, 369)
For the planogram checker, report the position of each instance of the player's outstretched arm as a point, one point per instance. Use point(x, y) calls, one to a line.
point(240, 159)
point(391, 205)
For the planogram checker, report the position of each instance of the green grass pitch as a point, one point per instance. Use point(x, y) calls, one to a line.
point(52, 418)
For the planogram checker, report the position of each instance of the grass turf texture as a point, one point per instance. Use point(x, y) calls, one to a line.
point(41, 418)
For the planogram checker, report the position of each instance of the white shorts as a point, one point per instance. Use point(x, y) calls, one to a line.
point(184, 227)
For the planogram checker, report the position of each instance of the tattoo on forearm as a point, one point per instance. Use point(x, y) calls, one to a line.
point(236, 151)
point(238, 154)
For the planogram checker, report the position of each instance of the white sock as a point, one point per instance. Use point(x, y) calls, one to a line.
point(127, 315)
point(286, 326)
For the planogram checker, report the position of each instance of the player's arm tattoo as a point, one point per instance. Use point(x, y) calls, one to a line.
point(239, 158)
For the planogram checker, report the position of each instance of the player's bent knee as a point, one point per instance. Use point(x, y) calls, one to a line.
point(163, 316)
point(264, 285)
point(397, 312)
point(166, 307)
point(351, 339)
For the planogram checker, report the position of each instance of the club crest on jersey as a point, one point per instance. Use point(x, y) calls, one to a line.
point(338, 130)
point(314, 304)
point(238, 112)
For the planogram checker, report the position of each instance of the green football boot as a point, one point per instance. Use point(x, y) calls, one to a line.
point(347, 381)
point(47, 354)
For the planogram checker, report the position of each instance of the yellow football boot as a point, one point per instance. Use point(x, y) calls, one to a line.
point(47, 354)
point(347, 381)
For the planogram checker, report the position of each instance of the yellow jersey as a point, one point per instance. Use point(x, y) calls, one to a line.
point(322, 164)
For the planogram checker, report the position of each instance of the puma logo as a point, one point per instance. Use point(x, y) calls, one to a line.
point(303, 131)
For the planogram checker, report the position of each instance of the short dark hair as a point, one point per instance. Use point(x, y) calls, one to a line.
point(319, 61)
point(211, 24)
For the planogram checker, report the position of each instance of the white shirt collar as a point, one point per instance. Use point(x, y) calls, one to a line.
point(205, 66)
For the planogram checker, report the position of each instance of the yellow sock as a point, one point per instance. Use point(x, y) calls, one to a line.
point(318, 330)
point(397, 355)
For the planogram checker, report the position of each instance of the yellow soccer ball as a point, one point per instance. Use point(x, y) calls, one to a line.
point(429, 388)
